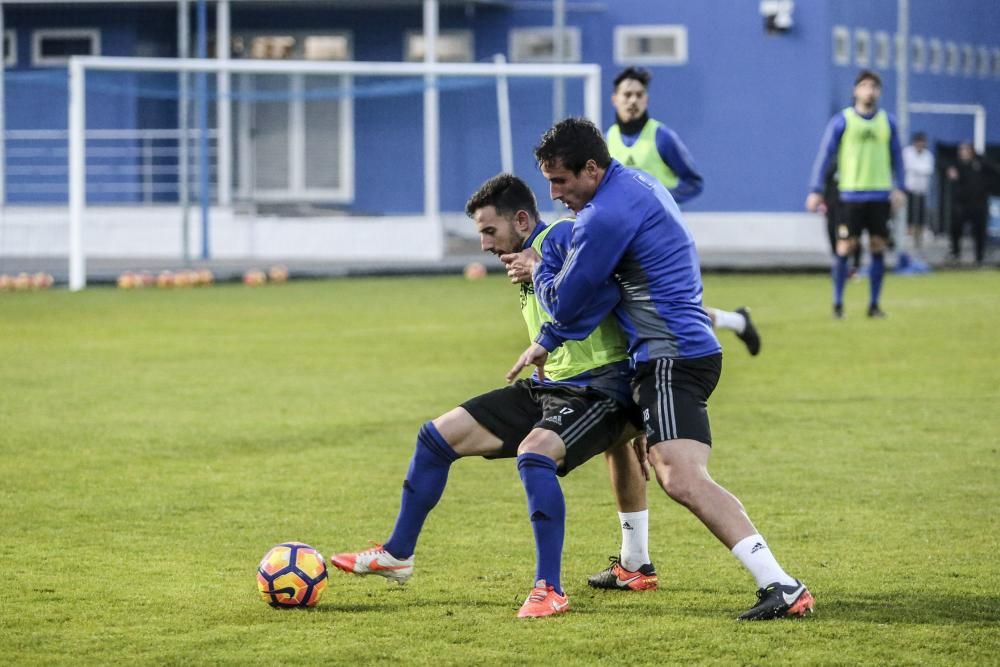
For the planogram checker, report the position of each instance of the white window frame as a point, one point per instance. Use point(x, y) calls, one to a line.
point(624, 32)
point(968, 60)
point(935, 56)
point(900, 46)
point(918, 53)
point(952, 58)
point(842, 45)
point(298, 190)
point(515, 44)
point(37, 60)
point(882, 54)
point(467, 36)
point(862, 47)
point(984, 62)
point(10, 37)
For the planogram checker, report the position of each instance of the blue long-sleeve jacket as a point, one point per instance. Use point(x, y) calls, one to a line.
point(828, 148)
point(631, 231)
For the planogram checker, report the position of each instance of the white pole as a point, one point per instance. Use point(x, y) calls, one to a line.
point(979, 131)
point(559, 55)
point(223, 109)
point(77, 174)
point(432, 195)
point(592, 95)
point(3, 120)
point(903, 72)
point(503, 119)
point(183, 123)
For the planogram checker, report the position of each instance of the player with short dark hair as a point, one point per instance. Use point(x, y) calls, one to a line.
point(628, 229)
point(552, 423)
point(863, 140)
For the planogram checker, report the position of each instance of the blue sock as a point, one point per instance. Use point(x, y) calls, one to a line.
point(547, 510)
point(422, 489)
point(875, 275)
point(839, 279)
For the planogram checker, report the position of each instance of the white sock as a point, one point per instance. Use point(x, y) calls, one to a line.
point(635, 539)
point(725, 319)
point(756, 557)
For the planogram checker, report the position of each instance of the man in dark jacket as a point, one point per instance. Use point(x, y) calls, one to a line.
point(970, 192)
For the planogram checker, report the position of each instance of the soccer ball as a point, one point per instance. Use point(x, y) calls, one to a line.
point(292, 574)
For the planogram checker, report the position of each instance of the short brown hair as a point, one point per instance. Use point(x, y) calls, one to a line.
point(507, 193)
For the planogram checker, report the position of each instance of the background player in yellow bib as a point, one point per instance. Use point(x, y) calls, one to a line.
point(863, 140)
point(641, 142)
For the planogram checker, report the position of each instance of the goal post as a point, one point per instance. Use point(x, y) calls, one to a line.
point(430, 73)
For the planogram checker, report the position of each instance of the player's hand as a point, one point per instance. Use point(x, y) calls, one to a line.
point(815, 203)
point(897, 198)
point(953, 173)
point(535, 355)
point(521, 265)
point(639, 447)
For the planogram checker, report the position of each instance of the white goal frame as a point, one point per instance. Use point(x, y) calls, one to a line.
point(80, 65)
point(977, 111)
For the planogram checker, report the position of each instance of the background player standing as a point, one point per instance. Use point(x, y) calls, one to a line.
point(862, 139)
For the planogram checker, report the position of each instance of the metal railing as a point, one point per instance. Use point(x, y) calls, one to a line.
point(123, 166)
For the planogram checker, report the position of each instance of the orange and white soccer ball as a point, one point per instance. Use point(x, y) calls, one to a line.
point(292, 574)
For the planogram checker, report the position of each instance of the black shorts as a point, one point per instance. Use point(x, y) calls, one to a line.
point(587, 421)
point(858, 216)
point(673, 396)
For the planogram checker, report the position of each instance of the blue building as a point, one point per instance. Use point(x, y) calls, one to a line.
point(749, 102)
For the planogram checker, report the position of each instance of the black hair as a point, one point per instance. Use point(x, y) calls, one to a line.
point(919, 136)
point(573, 141)
point(636, 73)
point(507, 193)
point(869, 75)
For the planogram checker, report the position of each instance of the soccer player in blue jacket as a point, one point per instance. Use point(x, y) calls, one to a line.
point(550, 424)
point(641, 142)
point(628, 228)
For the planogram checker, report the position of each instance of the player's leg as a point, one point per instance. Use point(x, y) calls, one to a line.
point(877, 222)
point(979, 223)
point(674, 394)
point(847, 241)
point(489, 425)
point(577, 424)
point(738, 321)
point(955, 233)
point(632, 569)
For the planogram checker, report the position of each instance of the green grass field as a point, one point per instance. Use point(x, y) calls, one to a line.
point(155, 444)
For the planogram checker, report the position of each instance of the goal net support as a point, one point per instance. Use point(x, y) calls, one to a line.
point(431, 78)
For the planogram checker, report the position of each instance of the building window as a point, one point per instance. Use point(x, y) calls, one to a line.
point(453, 46)
point(862, 48)
point(936, 56)
point(968, 60)
point(900, 49)
point(996, 63)
point(55, 47)
point(9, 48)
point(651, 45)
point(918, 54)
point(294, 131)
point(985, 61)
point(951, 57)
point(841, 45)
point(327, 47)
point(537, 45)
point(883, 54)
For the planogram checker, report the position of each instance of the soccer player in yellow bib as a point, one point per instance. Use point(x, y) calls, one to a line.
point(863, 140)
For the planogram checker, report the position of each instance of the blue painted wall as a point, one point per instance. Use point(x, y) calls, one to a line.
point(750, 106)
